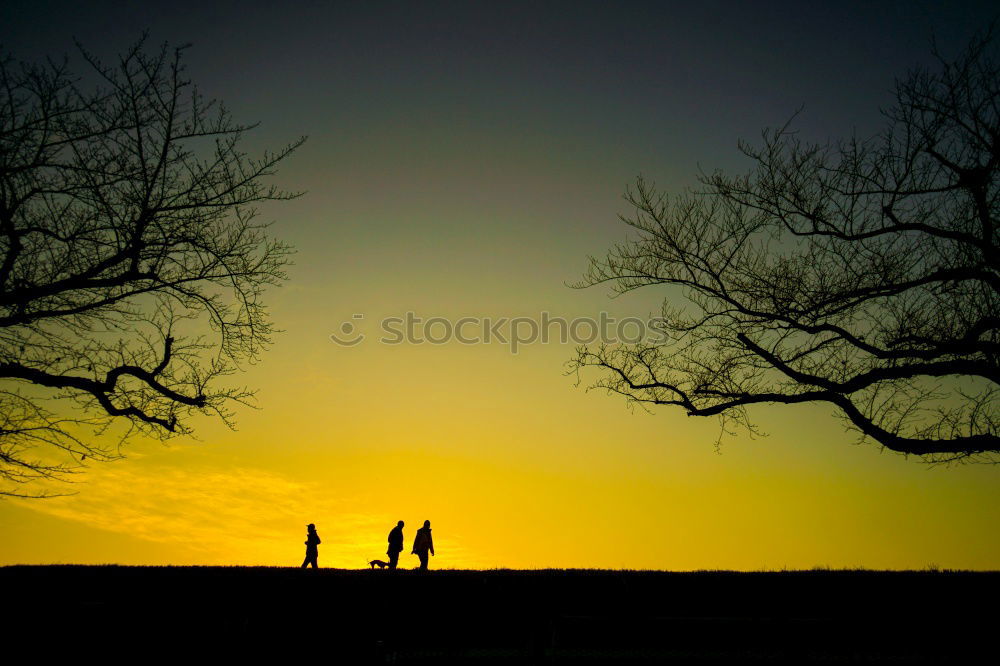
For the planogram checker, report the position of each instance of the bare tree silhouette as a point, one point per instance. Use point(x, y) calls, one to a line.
point(864, 274)
point(131, 260)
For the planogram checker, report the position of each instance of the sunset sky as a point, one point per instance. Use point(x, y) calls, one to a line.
point(463, 160)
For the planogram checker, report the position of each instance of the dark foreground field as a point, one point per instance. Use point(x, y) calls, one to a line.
point(549, 617)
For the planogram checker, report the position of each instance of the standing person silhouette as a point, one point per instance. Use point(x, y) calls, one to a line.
point(423, 543)
point(395, 544)
point(312, 547)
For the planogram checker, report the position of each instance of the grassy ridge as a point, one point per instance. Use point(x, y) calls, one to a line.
point(512, 616)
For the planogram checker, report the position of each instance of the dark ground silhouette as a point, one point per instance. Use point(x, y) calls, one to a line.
point(508, 617)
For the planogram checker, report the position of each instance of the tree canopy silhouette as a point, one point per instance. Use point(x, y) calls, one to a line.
point(863, 274)
point(132, 262)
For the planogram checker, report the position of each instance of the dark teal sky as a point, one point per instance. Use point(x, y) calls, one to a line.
point(632, 75)
point(493, 141)
point(629, 87)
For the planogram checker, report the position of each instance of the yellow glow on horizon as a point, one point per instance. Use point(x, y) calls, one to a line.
point(520, 469)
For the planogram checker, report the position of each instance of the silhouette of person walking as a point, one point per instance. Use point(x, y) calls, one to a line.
point(312, 547)
point(395, 544)
point(423, 543)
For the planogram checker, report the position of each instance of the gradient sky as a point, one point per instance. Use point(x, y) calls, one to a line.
point(464, 159)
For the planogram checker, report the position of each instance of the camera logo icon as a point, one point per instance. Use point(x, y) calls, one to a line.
point(349, 335)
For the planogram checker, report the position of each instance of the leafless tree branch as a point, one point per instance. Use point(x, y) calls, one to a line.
point(132, 265)
point(863, 274)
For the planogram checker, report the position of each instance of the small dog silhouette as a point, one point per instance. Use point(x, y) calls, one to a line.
point(379, 563)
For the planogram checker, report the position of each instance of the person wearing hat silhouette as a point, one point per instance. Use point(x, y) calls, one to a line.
point(312, 547)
